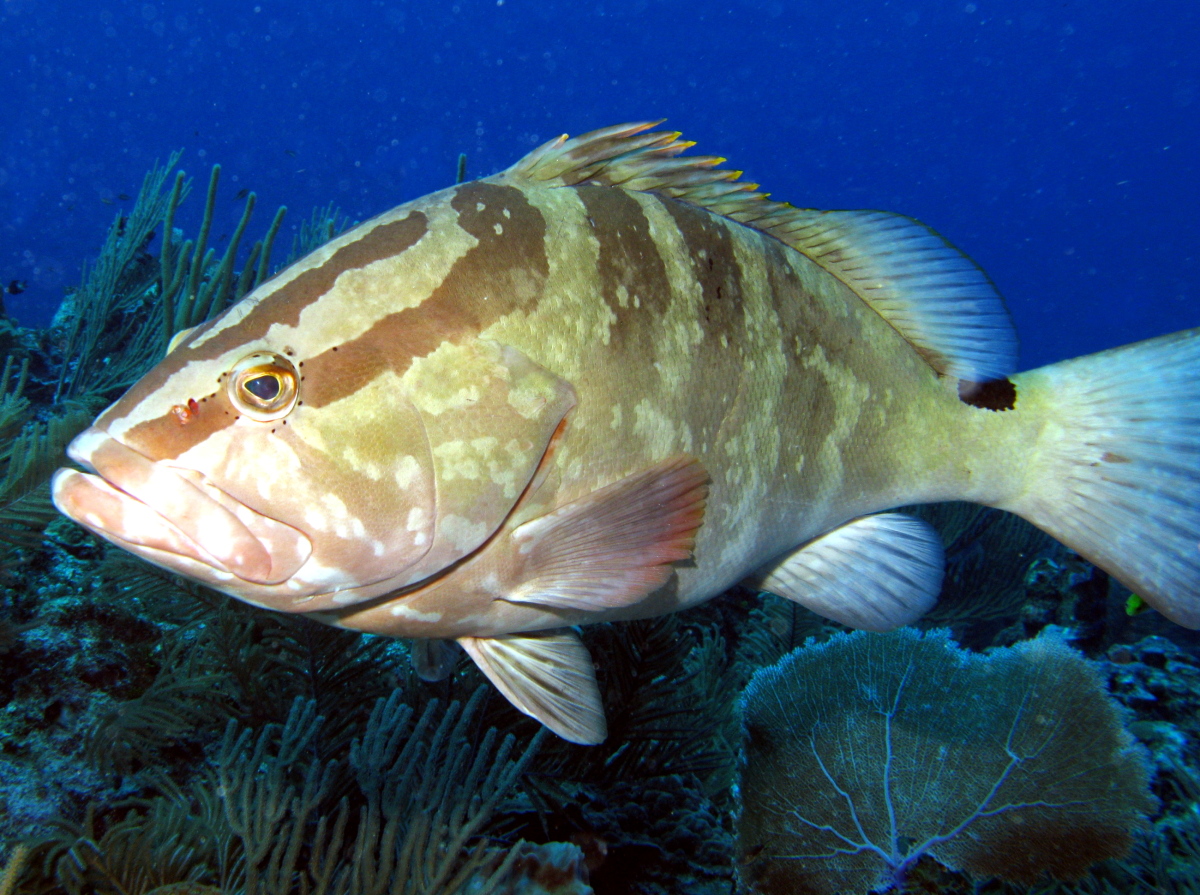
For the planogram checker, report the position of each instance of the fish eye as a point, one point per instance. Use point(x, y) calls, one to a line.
point(264, 386)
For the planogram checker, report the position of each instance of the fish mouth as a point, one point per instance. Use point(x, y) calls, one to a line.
point(170, 515)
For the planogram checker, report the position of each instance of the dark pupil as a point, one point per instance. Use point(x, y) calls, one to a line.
point(265, 388)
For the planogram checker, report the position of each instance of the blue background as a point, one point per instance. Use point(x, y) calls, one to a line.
point(1055, 142)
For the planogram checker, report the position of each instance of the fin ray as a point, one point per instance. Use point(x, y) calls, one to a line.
point(932, 293)
point(928, 290)
point(874, 573)
point(616, 545)
point(1116, 475)
point(548, 676)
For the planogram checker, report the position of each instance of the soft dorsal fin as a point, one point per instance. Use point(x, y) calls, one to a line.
point(928, 290)
point(933, 294)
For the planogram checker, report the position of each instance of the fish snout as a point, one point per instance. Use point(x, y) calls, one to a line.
point(136, 502)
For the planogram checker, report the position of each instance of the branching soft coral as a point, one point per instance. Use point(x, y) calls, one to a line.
point(263, 817)
point(16, 862)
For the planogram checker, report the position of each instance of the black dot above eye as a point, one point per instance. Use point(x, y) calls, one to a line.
point(265, 388)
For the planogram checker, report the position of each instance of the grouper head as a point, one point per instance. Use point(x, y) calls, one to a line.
point(339, 434)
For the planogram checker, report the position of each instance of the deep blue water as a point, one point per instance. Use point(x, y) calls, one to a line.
point(1055, 142)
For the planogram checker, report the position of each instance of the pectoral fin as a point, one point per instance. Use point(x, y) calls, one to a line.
point(875, 573)
point(548, 676)
point(614, 546)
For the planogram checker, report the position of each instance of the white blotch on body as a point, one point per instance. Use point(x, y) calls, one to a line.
point(462, 533)
point(402, 611)
point(407, 469)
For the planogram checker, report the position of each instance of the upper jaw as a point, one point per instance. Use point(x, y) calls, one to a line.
point(172, 516)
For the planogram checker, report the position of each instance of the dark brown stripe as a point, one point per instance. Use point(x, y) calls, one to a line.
point(709, 240)
point(628, 258)
point(721, 311)
point(285, 304)
point(165, 436)
point(505, 271)
point(810, 405)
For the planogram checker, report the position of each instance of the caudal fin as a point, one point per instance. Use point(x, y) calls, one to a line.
point(1116, 473)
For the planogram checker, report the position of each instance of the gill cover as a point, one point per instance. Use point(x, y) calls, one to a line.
point(489, 413)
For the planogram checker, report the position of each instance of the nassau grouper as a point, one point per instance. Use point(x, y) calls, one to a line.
point(609, 383)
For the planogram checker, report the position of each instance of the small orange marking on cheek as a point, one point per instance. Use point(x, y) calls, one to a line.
point(185, 413)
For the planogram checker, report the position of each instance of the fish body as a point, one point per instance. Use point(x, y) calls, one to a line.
point(607, 383)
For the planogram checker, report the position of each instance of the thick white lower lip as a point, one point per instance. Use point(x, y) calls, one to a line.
point(136, 502)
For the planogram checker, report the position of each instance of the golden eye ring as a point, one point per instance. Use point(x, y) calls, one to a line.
point(264, 386)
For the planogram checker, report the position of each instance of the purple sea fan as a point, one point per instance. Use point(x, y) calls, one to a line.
point(868, 751)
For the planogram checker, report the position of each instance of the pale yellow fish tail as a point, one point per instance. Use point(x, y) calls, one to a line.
point(1115, 473)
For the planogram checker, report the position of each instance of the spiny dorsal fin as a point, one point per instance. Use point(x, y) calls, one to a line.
point(932, 293)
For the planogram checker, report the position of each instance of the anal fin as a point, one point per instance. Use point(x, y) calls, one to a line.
point(548, 676)
point(875, 573)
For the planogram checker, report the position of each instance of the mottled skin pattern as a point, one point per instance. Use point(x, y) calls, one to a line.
point(441, 344)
